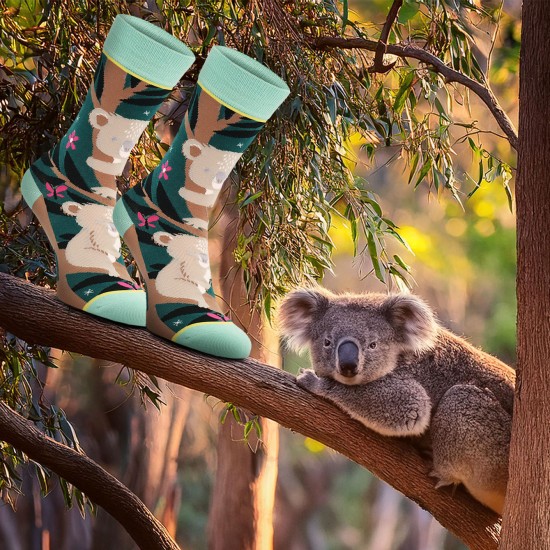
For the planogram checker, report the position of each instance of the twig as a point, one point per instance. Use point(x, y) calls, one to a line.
point(378, 65)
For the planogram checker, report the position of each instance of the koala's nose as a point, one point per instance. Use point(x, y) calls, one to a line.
point(219, 180)
point(348, 358)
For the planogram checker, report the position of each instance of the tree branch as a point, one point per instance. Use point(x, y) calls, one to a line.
point(451, 75)
point(89, 477)
point(35, 315)
point(378, 65)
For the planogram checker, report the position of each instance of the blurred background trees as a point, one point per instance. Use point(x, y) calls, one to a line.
point(326, 193)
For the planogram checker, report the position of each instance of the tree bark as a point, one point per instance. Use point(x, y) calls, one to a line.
point(527, 508)
point(153, 473)
point(85, 474)
point(35, 315)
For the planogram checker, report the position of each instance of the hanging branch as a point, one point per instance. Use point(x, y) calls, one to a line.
point(451, 75)
point(378, 65)
point(89, 477)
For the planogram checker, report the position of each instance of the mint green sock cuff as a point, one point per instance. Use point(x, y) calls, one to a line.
point(242, 83)
point(147, 51)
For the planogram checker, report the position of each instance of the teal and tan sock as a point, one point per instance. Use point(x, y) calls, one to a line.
point(72, 189)
point(164, 220)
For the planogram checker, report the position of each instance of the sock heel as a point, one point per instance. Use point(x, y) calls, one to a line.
point(29, 189)
point(121, 218)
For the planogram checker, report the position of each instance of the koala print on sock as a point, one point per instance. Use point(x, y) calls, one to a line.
point(188, 275)
point(209, 168)
point(97, 244)
point(115, 137)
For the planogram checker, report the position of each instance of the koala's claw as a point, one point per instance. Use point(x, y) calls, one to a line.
point(412, 418)
point(441, 481)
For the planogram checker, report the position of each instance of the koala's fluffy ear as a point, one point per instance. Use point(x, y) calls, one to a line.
point(71, 208)
point(413, 321)
point(298, 312)
point(99, 117)
point(162, 238)
point(192, 149)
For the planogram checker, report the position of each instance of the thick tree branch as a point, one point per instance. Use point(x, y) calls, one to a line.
point(35, 315)
point(378, 65)
point(89, 477)
point(411, 51)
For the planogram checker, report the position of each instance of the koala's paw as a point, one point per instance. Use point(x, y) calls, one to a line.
point(309, 381)
point(414, 419)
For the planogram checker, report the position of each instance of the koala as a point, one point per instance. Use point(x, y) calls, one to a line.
point(97, 244)
point(388, 363)
point(208, 170)
point(188, 275)
point(115, 137)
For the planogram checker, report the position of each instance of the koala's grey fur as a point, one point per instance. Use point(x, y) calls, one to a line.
point(408, 377)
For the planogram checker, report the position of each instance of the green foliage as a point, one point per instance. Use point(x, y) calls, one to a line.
point(249, 422)
point(295, 178)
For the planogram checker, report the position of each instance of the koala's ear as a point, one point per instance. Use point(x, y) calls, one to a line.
point(162, 238)
point(71, 208)
point(99, 117)
point(413, 321)
point(298, 312)
point(192, 149)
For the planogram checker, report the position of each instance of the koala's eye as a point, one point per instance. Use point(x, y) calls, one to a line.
point(327, 342)
point(372, 345)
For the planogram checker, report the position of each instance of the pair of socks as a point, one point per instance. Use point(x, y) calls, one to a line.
point(164, 219)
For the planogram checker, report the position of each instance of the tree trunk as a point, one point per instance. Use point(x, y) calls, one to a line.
point(146, 458)
point(241, 513)
point(527, 510)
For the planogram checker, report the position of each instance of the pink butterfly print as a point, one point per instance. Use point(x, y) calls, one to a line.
point(133, 286)
point(147, 220)
point(219, 317)
point(55, 191)
point(73, 138)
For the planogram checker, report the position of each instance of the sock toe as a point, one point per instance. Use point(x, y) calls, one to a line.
point(220, 339)
point(122, 306)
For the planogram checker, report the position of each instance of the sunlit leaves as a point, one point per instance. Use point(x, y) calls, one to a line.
point(490, 168)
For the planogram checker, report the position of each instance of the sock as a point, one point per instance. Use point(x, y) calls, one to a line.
point(72, 189)
point(164, 220)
